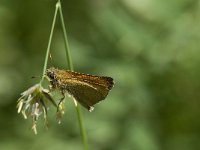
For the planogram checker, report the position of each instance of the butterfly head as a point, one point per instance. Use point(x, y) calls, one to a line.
point(51, 73)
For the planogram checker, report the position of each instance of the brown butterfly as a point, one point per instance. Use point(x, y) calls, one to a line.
point(86, 89)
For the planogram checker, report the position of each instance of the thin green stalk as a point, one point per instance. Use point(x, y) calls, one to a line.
point(68, 55)
point(69, 60)
point(49, 44)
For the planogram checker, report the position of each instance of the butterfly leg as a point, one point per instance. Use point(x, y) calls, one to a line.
point(61, 104)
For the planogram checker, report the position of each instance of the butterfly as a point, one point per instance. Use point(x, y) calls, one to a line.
point(84, 88)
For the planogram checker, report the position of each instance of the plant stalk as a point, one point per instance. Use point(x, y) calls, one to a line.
point(70, 65)
point(49, 44)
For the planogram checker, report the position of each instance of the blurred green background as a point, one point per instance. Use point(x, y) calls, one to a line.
point(150, 47)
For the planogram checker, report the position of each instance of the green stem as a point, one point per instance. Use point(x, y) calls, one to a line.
point(69, 60)
point(82, 128)
point(49, 44)
point(68, 55)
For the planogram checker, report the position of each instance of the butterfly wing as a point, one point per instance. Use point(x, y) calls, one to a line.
point(89, 92)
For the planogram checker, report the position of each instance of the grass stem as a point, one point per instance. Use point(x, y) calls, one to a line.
point(49, 44)
point(70, 65)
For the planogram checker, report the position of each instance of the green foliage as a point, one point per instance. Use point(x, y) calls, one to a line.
point(150, 48)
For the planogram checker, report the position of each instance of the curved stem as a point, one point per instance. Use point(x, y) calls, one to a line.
point(69, 60)
point(49, 44)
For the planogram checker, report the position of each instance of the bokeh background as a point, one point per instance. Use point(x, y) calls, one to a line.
point(150, 47)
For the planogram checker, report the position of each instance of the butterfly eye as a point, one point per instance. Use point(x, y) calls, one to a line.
point(51, 75)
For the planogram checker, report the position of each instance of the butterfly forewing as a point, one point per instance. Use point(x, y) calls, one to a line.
point(68, 76)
